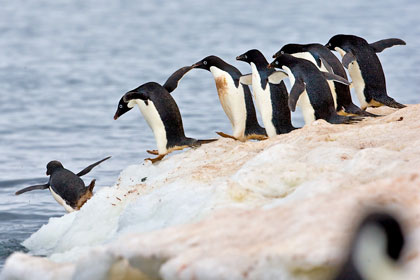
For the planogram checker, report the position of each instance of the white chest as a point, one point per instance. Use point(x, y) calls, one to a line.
point(61, 201)
point(303, 102)
point(232, 100)
point(263, 101)
point(153, 119)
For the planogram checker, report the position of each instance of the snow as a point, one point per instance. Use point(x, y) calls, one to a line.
point(283, 208)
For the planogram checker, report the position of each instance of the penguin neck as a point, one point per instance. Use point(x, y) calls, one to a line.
point(260, 62)
point(370, 256)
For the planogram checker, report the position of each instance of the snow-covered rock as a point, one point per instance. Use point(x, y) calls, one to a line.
point(283, 208)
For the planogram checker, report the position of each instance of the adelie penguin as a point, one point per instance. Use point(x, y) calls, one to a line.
point(271, 99)
point(67, 188)
point(235, 98)
point(365, 69)
point(161, 113)
point(310, 89)
point(326, 61)
point(375, 251)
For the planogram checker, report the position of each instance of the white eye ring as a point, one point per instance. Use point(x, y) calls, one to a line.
point(277, 62)
point(120, 106)
point(205, 62)
point(282, 52)
point(246, 57)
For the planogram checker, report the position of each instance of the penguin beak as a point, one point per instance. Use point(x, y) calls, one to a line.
point(240, 57)
point(116, 116)
point(276, 54)
point(197, 65)
point(270, 66)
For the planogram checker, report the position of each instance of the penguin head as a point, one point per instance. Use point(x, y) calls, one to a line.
point(127, 102)
point(208, 62)
point(52, 166)
point(251, 56)
point(290, 49)
point(375, 249)
point(281, 60)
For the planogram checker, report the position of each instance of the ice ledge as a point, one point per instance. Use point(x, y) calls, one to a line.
point(275, 209)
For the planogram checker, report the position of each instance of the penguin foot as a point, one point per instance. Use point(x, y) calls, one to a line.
point(256, 137)
point(387, 101)
point(337, 119)
point(153, 152)
point(156, 159)
point(224, 135)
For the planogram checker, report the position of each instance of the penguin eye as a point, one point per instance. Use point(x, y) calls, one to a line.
point(282, 52)
point(329, 44)
point(246, 57)
point(205, 62)
point(277, 62)
point(120, 106)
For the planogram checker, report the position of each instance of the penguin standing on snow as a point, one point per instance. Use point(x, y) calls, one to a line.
point(365, 69)
point(375, 250)
point(326, 61)
point(66, 187)
point(161, 113)
point(310, 89)
point(235, 98)
point(271, 99)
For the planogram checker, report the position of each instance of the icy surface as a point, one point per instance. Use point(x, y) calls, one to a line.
point(283, 208)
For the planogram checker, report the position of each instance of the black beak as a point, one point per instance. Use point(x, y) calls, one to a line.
point(116, 116)
point(240, 57)
point(197, 65)
point(270, 66)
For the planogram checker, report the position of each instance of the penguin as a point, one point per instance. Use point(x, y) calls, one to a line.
point(235, 98)
point(310, 89)
point(66, 187)
point(161, 113)
point(365, 69)
point(326, 61)
point(271, 99)
point(375, 250)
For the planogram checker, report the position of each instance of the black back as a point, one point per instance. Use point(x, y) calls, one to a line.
point(251, 126)
point(317, 87)
point(67, 185)
point(281, 118)
point(370, 66)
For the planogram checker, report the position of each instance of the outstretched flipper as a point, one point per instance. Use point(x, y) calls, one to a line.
point(276, 77)
point(347, 59)
point(172, 82)
point(297, 89)
point(156, 159)
point(335, 78)
point(388, 101)
point(246, 79)
point(386, 43)
point(90, 167)
point(31, 188)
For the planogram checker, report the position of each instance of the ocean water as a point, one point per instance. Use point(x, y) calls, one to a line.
point(65, 64)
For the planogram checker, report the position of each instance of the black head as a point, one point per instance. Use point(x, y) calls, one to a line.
point(392, 232)
point(291, 49)
point(343, 41)
point(282, 59)
point(251, 56)
point(209, 61)
point(52, 166)
point(125, 103)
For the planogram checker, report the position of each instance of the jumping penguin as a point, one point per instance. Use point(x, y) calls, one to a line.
point(365, 69)
point(66, 187)
point(161, 113)
point(326, 61)
point(375, 250)
point(271, 99)
point(235, 98)
point(310, 89)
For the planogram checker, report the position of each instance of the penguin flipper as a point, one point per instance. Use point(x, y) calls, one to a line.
point(31, 188)
point(379, 46)
point(297, 89)
point(246, 79)
point(327, 65)
point(90, 167)
point(336, 78)
point(276, 77)
point(172, 82)
point(347, 59)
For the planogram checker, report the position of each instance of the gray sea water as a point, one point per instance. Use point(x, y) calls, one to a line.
point(65, 64)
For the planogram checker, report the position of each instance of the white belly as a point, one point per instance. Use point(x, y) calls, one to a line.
point(357, 80)
point(232, 100)
point(153, 119)
point(303, 102)
point(61, 201)
point(263, 101)
point(308, 56)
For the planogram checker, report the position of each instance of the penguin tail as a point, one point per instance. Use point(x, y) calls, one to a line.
point(390, 102)
point(337, 119)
